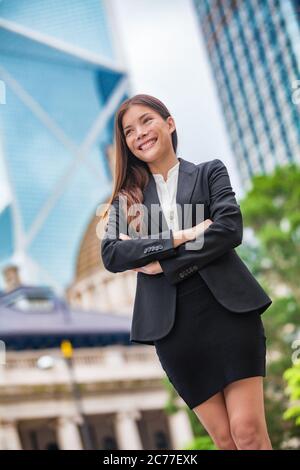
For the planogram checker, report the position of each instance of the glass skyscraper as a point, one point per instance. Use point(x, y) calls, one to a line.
point(254, 51)
point(63, 80)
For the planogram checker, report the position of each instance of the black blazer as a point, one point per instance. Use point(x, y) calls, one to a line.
point(217, 262)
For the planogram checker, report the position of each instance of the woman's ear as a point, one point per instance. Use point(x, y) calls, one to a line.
point(171, 123)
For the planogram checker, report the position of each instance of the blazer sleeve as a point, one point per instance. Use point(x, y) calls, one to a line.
point(121, 255)
point(225, 233)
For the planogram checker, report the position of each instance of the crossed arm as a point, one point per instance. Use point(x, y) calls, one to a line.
point(223, 234)
point(119, 254)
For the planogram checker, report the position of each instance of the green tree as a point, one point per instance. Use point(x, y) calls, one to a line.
point(271, 210)
point(292, 376)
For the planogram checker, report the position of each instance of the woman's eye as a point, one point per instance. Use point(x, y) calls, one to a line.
point(147, 119)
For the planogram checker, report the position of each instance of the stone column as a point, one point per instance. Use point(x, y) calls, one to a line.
point(127, 432)
point(68, 434)
point(9, 436)
point(180, 430)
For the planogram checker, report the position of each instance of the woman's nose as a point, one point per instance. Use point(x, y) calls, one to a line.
point(141, 134)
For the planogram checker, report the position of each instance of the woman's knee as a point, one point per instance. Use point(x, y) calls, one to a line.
point(224, 440)
point(247, 432)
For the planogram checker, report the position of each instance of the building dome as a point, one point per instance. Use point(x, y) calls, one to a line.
point(89, 260)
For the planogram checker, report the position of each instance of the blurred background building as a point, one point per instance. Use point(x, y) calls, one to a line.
point(254, 51)
point(93, 286)
point(118, 389)
point(64, 78)
point(64, 81)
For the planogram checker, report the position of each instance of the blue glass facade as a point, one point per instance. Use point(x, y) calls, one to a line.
point(253, 48)
point(63, 84)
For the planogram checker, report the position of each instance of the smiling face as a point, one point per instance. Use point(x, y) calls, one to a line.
point(147, 134)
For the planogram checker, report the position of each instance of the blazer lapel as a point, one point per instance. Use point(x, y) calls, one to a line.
point(187, 176)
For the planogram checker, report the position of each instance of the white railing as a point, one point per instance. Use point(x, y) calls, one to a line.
point(83, 357)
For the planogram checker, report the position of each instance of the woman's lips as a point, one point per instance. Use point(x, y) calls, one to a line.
point(149, 144)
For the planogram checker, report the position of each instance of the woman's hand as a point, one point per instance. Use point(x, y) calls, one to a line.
point(123, 236)
point(189, 234)
point(151, 268)
point(193, 232)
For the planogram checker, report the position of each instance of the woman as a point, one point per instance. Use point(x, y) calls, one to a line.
point(200, 307)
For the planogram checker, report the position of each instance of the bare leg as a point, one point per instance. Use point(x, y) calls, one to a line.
point(213, 416)
point(245, 407)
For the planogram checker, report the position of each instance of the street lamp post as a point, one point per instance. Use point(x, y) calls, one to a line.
point(67, 352)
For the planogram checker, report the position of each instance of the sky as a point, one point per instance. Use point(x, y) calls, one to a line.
point(163, 50)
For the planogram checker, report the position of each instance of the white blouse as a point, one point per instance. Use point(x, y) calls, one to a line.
point(167, 191)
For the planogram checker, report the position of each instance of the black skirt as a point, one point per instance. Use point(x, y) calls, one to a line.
point(209, 346)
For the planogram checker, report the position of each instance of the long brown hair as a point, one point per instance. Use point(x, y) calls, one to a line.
point(131, 175)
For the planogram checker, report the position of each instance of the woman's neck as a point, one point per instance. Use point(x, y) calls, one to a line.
point(163, 166)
